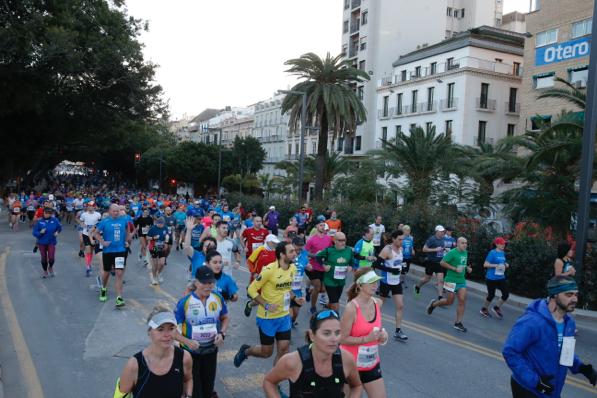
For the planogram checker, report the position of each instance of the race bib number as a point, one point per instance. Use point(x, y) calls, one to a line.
point(450, 286)
point(367, 356)
point(286, 301)
point(441, 253)
point(119, 262)
point(393, 279)
point(376, 241)
point(340, 272)
point(30, 208)
point(500, 269)
point(332, 232)
point(254, 246)
point(204, 333)
point(226, 218)
point(17, 209)
point(297, 282)
point(144, 230)
point(159, 245)
point(567, 353)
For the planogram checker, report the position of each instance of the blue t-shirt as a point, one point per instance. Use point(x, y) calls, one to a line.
point(159, 232)
point(560, 329)
point(114, 231)
point(180, 217)
point(407, 247)
point(449, 243)
point(198, 260)
point(226, 286)
point(301, 262)
point(432, 243)
point(196, 235)
point(495, 257)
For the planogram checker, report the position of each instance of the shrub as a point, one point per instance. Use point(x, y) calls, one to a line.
point(531, 266)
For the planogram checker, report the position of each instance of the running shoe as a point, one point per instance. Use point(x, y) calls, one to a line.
point(103, 297)
point(44, 275)
point(153, 280)
point(248, 308)
point(241, 355)
point(497, 311)
point(400, 336)
point(323, 299)
point(485, 313)
point(460, 327)
point(417, 291)
point(119, 302)
point(51, 271)
point(294, 324)
point(430, 307)
point(81, 254)
point(88, 272)
point(160, 278)
point(35, 249)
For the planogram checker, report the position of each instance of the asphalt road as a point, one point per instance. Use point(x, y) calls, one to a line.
point(58, 340)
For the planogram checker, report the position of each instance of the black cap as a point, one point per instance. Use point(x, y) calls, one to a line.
point(298, 241)
point(205, 275)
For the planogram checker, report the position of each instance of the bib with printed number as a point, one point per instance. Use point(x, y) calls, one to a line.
point(287, 301)
point(367, 356)
point(297, 282)
point(500, 269)
point(256, 245)
point(17, 209)
point(567, 353)
point(144, 230)
point(450, 286)
point(119, 262)
point(205, 333)
point(340, 272)
point(393, 279)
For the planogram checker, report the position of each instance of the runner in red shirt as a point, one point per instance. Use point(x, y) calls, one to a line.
point(255, 236)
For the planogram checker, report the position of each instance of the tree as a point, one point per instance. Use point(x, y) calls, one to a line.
point(359, 183)
point(248, 155)
point(331, 102)
point(334, 164)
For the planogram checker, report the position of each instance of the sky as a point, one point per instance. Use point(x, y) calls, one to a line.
point(217, 53)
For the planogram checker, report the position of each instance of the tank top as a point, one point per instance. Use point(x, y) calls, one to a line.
point(366, 355)
point(393, 262)
point(310, 385)
point(150, 385)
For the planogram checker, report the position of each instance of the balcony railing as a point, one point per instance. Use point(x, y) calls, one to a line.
point(385, 113)
point(448, 104)
point(354, 26)
point(486, 141)
point(485, 104)
point(428, 107)
point(355, 3)
point(352, 52)
point(512, 108)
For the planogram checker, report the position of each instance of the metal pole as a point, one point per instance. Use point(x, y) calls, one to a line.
point(219, 162)
point(588, 153)
point(160, 181)
point(302, 150)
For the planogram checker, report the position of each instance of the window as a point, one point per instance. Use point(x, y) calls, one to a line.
point(357, 145)
point(512, 100)
point(579, 76)
point(362, 65)
point(433, 68)
point(544, 81)
point(511, 130)
point(345, 27)
point(399, 104)
point(346, 4)
point(417, 71)
point(581, 28)
point(462, 13)
point(386, 101)
point(450, 64)
point(384, 136)
point(314, 147)
point(450, 99)
point(484, 95)
point(449, 12)
point(455, 13)
point(289, 150)
point(449, 124)
point(547, 37)
point(516, 69)
point(363, 45)
point(537, 122)
point(403, 75)
point(364, 17)
point(412, 126)
point(481, 132)
point(398, 131)
point(360, 92)
point(428, 126)
point(430, 91)
point(296, 148)
point(413, 101)
point(345, 50)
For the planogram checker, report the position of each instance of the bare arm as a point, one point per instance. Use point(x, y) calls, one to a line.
point(186, 244)
point(187, 363)
point(128, 377)
point(352, 375)
point(287, 368)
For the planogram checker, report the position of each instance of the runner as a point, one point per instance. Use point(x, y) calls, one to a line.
point(254, 236)
point(391, 257)
point(31, 205)
point(115, 238)
point(87, 221)
point(272, 289)
point(495, 278)
point(271, 219)
point(408, 251)
point(377, 238)
point(262, 256)
point(291, 230)
point(15, 212)
point(455, 283)
point(315, 270)
point(336, 261)
point(362, 332)
point(563, 264)
point(158, 238)
point(540, 347)
point(143, 224)
point(365, 250)
point(302, 218)
point(180, 217)
point(170, 223)
point(319, 369)
point(449, 240)
point(302, 259)
point(434, 247)
point(46, 230)
point(155, 372)
point(203, 319)
point(196, 254)
point(225, 285)
point(334, 223)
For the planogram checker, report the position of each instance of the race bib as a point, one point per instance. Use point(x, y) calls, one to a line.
point(332, 232)
point(297, 282)
point(159, 245)
point(367, 356)
point(500, 269)
point(393, 279)
point(17, 209)
point(226, 218)
point(340, 272)
point(287, 301)
point(119, 262)
point(450, 286)
point(204, 333)
point(376, 241)
point(254, 246)
point(567, 353)
point(440, 253)
point(69, 208)
point(144, 230)
point(30, 208)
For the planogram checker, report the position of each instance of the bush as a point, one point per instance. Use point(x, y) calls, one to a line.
point(531, 266)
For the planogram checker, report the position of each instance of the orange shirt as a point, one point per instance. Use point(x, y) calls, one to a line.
point(334, 225)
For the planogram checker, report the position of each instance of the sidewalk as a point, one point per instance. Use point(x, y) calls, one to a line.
point(517, 301)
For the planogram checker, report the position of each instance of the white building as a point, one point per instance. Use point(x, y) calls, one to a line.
point(375, 31)
point(270, 127)
point(232, 121)
point(466, 86)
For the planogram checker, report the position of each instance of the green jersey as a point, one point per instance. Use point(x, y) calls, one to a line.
point(457, 259)
point(339, 261)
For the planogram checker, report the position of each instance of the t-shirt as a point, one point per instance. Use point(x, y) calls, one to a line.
point(432, 243)
point(180, 217)
point(378, 231)
point(273, 284)
point(200, 322)
point(196, 233)
point(226, 286)
point(170, 223)
point(449, 243)
point(394, 262)
point(254, 238)
point(314, 245)
point(114, 231)
point(261, 257)
point(89, 220)
point(144, 223)
point(161, 233)
point(560, 329)
point(496, 257)
point(301, 262)
point(457, 259)
point(339, 261)
point(364, 248)
point(226, 247)
point(335, 226)
point(198, 260)
point(407, 246)
point(272, 219)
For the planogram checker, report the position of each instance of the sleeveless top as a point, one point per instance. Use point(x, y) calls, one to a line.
point(310, 385)
point(366, 355)
point(393, 262)
point(150, 385)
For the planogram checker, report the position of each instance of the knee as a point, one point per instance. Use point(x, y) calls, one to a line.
point(267, 351)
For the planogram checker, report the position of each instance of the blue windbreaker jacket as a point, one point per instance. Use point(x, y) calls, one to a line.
point(51, 225)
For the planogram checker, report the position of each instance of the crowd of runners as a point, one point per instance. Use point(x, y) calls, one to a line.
point(294, 265)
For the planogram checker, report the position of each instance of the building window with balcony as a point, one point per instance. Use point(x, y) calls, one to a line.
point(384, 136)
point(362, 65)
point(360, 92)
point(512, 100)
point(364, 17)
point(449, 124)
point(296, 149)
point(433, 68)
point(511, 130)
point(428, 127)
point(345, 27)
point(579, 76)
point(456, 13)
point(450, 64)
point(484, 97)
point(481, 133)
point(413, 101)
point(545, 38)
point(450, 96)
point(403, 75)
point(544, 81)
point(581, 28)
point(462, 13)
point(398, 131)
point(289, 150)
point(357, 145)
point(386, 101)
point(516, 69)
point(363, 46)
point(417, 71)
point(430, 92)
point(399, 104)
point(449, 11)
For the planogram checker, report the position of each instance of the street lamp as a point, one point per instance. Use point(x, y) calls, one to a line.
point(219, 130)
point(302, 141)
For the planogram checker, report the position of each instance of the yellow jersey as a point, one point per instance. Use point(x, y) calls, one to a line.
point(274, 285)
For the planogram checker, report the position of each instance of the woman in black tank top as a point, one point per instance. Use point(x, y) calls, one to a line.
point(160, 370)
point(317, 370)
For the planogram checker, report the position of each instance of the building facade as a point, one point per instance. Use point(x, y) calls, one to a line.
point(270, 127)
point(558, 45)
point(466, 87)
point(375, 31)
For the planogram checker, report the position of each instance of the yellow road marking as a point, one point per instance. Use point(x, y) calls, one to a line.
point(28, 371)
point(247, 382)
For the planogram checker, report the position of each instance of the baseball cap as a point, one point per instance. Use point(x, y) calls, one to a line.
point(205, 275)
point(51, 197)
point(91, 203)
point(272, 238)
point(320, 218)
point(272, 207)
point(161, 318)
point(298, 241)
point(499, 241)
point(439, 228)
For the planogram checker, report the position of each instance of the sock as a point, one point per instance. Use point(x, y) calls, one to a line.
point(440, 297)
point(397, 330)
point(88, 259)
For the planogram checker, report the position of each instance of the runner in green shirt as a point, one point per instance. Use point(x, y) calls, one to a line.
point(337, 262)
point(455, 261)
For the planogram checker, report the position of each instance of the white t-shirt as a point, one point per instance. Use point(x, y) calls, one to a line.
point(89, 220)
point(226, 248)
point(78, 203)
point(378, 231)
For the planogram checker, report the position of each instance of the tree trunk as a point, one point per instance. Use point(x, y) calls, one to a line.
point(320, 164)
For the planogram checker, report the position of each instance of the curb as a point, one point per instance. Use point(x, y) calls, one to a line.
point(513, 300)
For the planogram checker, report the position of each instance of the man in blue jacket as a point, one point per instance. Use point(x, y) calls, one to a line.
point(540, 347)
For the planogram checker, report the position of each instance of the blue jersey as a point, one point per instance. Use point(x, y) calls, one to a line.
point(301, 262)
point(449, 243)
point(407, 247)
point(196, 233)
point(159, 232)
point(226, 286)
point(113, 230)
point(198, 260)
point(496, 257)
point(180, 217)
point(200, 322)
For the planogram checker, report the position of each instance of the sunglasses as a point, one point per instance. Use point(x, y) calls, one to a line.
point(323, 315)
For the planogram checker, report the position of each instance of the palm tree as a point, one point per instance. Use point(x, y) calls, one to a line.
point(331, 103)
point(334, 164)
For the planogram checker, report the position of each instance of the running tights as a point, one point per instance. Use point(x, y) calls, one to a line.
point(47, 255)
point(204, 374)
point(519, 391)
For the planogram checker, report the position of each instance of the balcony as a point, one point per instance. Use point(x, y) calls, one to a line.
point(352, 52)
point(385, 113)
point(410, 109)
point(355, 3)
point(512, 108)
point(354, 26)
point(449, 104)
point(485, 141)
point(485, 104)
point(398, 111)
point(427, 107)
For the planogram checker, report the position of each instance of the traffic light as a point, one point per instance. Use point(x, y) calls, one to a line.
point(173, 182)
point(137, 158)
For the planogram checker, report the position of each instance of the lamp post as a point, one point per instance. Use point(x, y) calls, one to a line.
point(302, 141)
point(219, 130)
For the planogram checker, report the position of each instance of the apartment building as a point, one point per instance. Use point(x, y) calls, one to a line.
point(270, 127)
point(466, 87)
point(514, 22)
point(374, 32)
point(231, 121)
point(558, 45)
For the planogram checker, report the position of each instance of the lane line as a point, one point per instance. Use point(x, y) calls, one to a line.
point(28, 371)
